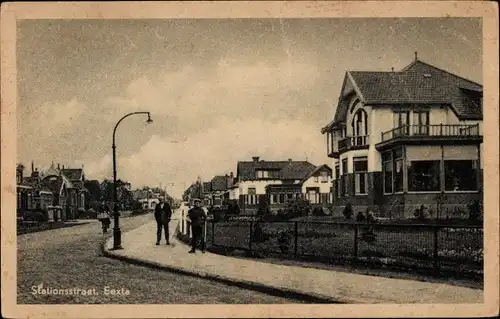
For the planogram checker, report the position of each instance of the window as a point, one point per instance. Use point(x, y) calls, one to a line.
point(330, 200)
point(360, 175)
point(387, 171)
point(398, 170)
point(324, 177)
point(360, 123)
point(316, 179)
point(262, 174)
point(460, 175)
point(289, 197)
point(282, 198)
point(274, 198)
point(251, 198)
point(401, 120)
point(423, 176)
point(312, 195)
point(421, 122)
point(337, 181)
point(344, 177)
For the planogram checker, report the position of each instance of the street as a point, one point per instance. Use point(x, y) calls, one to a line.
point(70, 258)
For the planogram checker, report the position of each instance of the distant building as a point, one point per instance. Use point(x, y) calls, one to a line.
point(400, 139)
point(277, 182)
point(56, 188)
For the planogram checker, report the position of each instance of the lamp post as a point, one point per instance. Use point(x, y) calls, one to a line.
point(117, 235)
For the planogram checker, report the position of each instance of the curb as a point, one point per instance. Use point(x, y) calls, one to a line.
point(279, 292)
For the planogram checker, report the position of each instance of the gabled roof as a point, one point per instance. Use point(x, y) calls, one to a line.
point(286, 169)
point(419, 82)
point(73, 174)
point(314, 171)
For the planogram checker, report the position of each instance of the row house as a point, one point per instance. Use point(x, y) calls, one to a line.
point(402, 139)
point(277, 182)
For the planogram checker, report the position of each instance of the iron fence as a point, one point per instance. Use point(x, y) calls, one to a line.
point(438, 248)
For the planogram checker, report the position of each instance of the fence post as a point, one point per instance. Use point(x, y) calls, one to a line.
point(250, 237)
point(435, 251)
point(296, 238)
point(356, 240)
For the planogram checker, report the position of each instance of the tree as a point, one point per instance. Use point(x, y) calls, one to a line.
point(296, 208)
point(94, 189)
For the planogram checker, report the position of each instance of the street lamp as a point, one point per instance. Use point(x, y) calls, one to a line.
point(117, 235)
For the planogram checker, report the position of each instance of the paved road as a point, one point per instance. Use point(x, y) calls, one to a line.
point(70, 258)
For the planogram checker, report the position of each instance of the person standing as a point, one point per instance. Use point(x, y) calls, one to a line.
point(197, 216)
point(163, 214)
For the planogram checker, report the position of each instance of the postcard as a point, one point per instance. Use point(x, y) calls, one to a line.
point(249, 159)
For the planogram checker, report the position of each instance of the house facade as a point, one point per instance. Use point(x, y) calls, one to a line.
point(215, 191)
point(402, 139)
point(276, 183)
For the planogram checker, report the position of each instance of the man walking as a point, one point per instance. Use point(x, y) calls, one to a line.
point(197, 216)
point(163, 213)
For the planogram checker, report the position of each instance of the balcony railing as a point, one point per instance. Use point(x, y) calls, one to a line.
point(439, 130)
point(353, 141)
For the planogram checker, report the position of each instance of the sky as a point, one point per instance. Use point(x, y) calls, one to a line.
point(219, 90)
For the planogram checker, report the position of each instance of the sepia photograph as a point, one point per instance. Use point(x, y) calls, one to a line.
point(293, 154)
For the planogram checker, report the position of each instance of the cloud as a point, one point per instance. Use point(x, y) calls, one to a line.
point(214, 151)
point(228, 89)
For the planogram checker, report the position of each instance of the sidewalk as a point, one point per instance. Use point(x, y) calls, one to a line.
point(336, 287)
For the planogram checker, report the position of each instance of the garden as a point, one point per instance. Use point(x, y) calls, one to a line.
point(422, 245)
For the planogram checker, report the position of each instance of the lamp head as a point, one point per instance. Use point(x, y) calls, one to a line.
point(149, 121)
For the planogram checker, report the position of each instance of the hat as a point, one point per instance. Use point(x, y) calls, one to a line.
point(197, 200)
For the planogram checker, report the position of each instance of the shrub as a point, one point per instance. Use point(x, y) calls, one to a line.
point(347, 212)
point(318, 211)
point(232, 207)
point(474, 210)
point(263, 208)
point(421, 213)
point(296, 208)
point(38, 215)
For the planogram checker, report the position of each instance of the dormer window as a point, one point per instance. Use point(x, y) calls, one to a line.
point(262, 174)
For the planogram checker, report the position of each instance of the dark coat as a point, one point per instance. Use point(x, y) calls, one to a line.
point(163, 215)
point(197, 215)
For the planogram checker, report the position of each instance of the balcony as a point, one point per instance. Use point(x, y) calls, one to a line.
point(353, 143)
point(431, 134)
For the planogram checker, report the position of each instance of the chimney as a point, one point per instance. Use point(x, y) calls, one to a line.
point(58, 167)
point(32, 167)
point(255, 158)
point(289, 159)
point(416, 56)
point(392, 69)
point(63, 166)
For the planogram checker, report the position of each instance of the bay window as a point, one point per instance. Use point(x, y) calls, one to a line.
point(344, 177)
point(360, 175)
point(387, 172)
point(274, 198)
point(398, 170)
point(423, 176)
point(337, 181)
point(460, 175)
point(251, 198)
point(282, 198)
